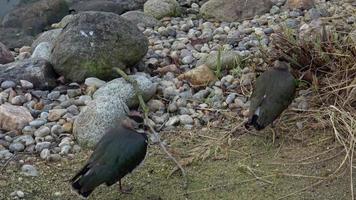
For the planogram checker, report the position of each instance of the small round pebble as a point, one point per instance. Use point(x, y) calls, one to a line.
point(8, 84)
point(16, 147)
point(29, 170)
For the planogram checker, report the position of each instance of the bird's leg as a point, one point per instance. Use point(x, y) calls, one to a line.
point(274, 132)
point(126, 190)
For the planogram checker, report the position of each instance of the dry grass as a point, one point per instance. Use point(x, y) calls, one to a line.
point(326, 60)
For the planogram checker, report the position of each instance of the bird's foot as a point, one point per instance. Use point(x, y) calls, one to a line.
point(126, 190)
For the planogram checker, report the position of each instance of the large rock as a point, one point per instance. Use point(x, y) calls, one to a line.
point(14, 117)
point(110, 103)
point(234, 10)
point(117, 6)
point(34, 17)
point(47, 36)
point(120, 89)
point(300, 4)
point(162, 8)
point(15, 37)
point(93, 43)
point(37, 71)
point(100, 114)
point(139, 17)
point(5, 55)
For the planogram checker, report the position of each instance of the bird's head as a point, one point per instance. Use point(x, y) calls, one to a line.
point(133, 120)
point(281, 65)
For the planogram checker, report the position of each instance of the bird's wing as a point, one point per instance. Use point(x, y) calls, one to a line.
point(119, 156)
point(258, 93)
point(279, 100)
point(133, 153)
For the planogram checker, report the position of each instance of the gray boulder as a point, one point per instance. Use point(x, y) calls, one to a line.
point(32, 18)
point(162, 8)
point(110, 103)
point(117, 6)
point(37, 71)
point(47, 36)
point(120, 89)
point(99, 115)
point(139, 17)
point(235, 10)
point(93, 43)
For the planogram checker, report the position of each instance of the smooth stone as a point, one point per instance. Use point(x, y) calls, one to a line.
point(173, 121)
point(42, 131)
point(26, 139)
point(42, 145)
point(26, 84)
point(16, 147)
point(186, 119)
point(38, 123)
point(92, 81)
point(45, 153)
point(8, 84)
point(29, 170)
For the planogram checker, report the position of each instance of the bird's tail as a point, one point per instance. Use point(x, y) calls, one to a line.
point(78, 185)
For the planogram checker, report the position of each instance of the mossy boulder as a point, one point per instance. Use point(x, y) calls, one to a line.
point(92, 43)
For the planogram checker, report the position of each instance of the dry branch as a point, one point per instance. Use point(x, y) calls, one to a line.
point(155, 135)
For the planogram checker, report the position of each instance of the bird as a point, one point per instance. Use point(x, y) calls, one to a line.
point(273, 92)
point(118, 153)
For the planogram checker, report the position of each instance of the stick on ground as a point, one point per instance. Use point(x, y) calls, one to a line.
point(154, 134)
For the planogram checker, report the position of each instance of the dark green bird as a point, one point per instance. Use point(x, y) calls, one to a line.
point(273, 92)
point(117, 153)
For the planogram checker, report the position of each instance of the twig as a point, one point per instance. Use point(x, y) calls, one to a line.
point(7, 162)
point(154, 134)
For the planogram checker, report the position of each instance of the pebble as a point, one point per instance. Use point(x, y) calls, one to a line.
point(26, 84)
point(155, 105)
point(28, 130)
point(92, 81)
point(172, 107)
point(230, 98)
point(18, 100)
point(5, 154)
point(73, 109)
point(57, 129)
point(45, 153)
point(186, 119)
point(65, 150)
point(74, 92)
point(8, 84)
point(54, 158)
point(54, 95)
point(56, 114)
point(29, 170)
point(42, 145)
point(42, 131)
point(38, 122)
point(16, 147)
point(26, 139)
point(172, 121)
